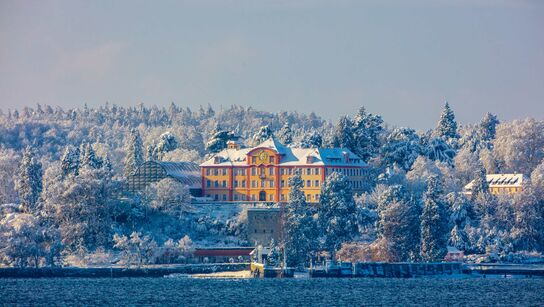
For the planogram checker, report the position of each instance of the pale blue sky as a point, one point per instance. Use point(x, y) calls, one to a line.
point(400, 59)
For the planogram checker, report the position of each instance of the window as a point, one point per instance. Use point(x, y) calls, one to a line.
point(308, 197)
point(253, 197)
point(243, 183)
point(253, 159)
point(271, 171)
point(308, 183)
point(262, 184)
point(317, 197)
point(235, 196)
point(282, 197)
point(235, 183)
point(272, 183)
point(243, 197)
point(208, 183)
point(308, 171)
point(282, 171)
point(216, 184)
point(253, 171)
point(316, 184)
point(272, 159)
point(224, 196)
point(282, 183)
point(271, 197)
point(215, 172)
point(216, 197)
point(253, 184)
point(224, 170)
point(224, 183)
point(316, 171)
point(207, 172)
point(243, 171)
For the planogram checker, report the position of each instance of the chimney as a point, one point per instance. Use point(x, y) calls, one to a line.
point(346, 156)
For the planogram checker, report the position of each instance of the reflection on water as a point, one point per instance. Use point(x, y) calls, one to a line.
point(250, 292)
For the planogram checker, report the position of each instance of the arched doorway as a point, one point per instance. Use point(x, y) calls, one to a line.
point(262, 196)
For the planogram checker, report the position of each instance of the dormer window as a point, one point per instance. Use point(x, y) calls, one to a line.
point(309, 159)
point(272, 160)
point(217, 160)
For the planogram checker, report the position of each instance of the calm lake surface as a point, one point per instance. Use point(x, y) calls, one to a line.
point(282, 292)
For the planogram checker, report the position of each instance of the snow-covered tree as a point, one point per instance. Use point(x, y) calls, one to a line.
point(168, 196)
point(519, 145)
point(447, 126)
point(433, 222)
point(136, 249)
point(219, 139)
point(9, 167)
point(299, 227)
point(285, 135)
point(422, 169)
point(311, 139)
point(29, 183)
point(343, 134)
point(367, 129)
point(167, 142)
point(487, 128)
point(263, 134)
point(527, 231)
point(274, 257)
point(88, 157)
point(70, 160)
point(134, 156)
point(399, 230)
point(337, 212)
point(402, 147)
point(439, 150)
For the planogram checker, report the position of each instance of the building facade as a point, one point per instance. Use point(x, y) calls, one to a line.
point(261, 173)
point(501, 184)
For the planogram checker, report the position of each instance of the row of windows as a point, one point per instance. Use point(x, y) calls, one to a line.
point(345, 171)
point(271, 159)
point(259, 184)
point(286, 171)
point(270, 197)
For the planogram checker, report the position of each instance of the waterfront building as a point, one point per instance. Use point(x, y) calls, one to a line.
point(261, 173)
point(187, 173)
point(263, 225)
point(501, 184)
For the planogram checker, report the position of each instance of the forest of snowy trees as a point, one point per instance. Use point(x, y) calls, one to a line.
point(63, 197)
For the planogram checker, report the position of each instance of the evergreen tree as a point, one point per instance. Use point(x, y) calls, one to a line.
point(274, 255)
point(367, 129)
point(398, 225)
point(70, 160)
point(299, 230)
point(433, 222)
point(262, 135)
point(343, 134)
point(488, 127)
point(134, 155)
point(167, 142)
point(311, 139)
point(447, 126)
point(29, 184)
point(285, 135)
point(402, 147)
point(219, 140)
point(89, 157)
point(337, 212)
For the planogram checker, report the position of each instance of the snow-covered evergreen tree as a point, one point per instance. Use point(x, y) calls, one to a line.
point(274, 257)
point(433, 222)
point(299, 227)
point(219, 139)
point(70, 160)
point(263, 134)
point(487, 129)
point(89, 157)
point(134, 156)
point(367, 129)
point(311, 139)
point(167, 142)
point(29, 183)
point(402, 147)
point(447, 125)
point(337, 212)
point(439, 149)
point(343, 134)
point(285, 135)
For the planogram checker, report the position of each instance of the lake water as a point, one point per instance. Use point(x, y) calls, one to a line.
point(283, 292)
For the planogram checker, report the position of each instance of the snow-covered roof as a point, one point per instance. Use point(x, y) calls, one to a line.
point(501, 180)
point(289, 156)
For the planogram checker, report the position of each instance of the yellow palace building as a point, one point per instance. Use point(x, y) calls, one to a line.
point(261, 173)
